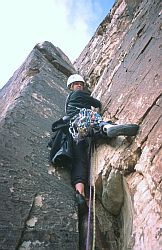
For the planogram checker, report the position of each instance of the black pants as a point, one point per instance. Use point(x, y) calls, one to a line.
point(80, 162)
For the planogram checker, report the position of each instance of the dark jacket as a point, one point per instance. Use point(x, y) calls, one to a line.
point(80, 99)
point(61, 144)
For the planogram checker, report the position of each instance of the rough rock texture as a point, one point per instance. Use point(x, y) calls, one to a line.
point(123, 66)
point(38, 209)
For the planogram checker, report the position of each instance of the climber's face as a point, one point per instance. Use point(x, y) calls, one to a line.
point(77, 86)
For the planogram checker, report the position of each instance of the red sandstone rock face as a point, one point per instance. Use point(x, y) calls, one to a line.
point(123, 65)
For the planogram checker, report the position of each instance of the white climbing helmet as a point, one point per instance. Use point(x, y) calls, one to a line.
point(74, 78)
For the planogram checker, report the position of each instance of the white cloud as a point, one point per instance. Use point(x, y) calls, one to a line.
point(76, 25)
point(68, 24)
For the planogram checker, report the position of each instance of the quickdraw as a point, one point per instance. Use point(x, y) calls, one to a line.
point(84, 121)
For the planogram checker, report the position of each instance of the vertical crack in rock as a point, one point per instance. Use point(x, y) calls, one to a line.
point(128, 163)
point(150, 107)
point(151, 129)
point(145, 47)
point(25, 224)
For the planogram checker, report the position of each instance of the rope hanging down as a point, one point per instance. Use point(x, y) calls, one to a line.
point(92, 183)
point(94, 200)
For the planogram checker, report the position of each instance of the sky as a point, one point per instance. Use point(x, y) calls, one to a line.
point(68, 24)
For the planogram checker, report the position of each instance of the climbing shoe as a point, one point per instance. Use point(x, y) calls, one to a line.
point(113, 130)
point(82, 205)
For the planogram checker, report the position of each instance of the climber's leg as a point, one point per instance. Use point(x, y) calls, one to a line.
point(80, 198)
point(80, 188)
point(113, 130)
point(79, 173)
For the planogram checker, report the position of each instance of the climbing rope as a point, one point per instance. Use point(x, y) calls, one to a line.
point(89, 218)
point(94, 201)
point(94, 221)
point(92, 183)
point(90, 199)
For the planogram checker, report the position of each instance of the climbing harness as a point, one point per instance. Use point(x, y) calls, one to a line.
point(92, 183)
point(81, 125)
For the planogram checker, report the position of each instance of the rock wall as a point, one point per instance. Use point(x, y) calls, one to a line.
point(38, 209)
point(122, 64)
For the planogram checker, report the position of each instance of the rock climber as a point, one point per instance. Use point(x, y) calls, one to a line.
point(80, 117)
point(76, 101)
